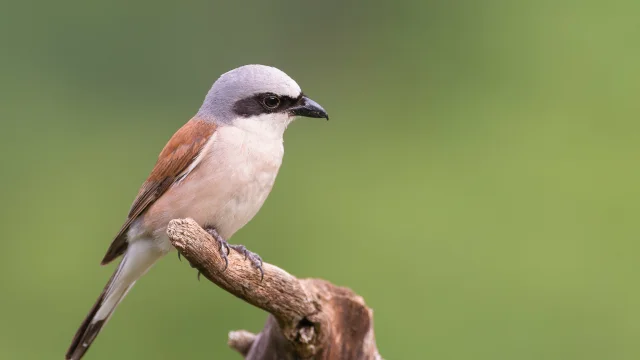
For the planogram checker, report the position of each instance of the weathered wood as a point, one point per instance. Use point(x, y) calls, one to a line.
point(310, 318)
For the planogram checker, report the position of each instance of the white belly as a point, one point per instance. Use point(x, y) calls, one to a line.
point(225, 190)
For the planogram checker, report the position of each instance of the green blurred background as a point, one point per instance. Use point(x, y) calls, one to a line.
point(478, 183)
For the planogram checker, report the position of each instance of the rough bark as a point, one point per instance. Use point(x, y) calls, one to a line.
point(310, 318)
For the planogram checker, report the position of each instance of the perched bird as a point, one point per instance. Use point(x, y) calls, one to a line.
point(217, 169)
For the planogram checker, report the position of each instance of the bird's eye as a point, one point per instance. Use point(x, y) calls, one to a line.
point(271, 101)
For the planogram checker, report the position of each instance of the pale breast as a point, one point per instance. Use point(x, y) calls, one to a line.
point(226, 189)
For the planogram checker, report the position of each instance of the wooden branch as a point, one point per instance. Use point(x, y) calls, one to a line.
point(310, 318)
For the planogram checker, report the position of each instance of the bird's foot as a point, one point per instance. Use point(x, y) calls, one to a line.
point(223, 245)
point(255, 259)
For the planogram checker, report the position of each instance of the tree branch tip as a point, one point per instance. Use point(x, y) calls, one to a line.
point(241, 341)
point(175, 225)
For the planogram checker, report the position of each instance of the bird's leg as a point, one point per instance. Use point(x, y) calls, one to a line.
point(255, 259)
point(223, 244)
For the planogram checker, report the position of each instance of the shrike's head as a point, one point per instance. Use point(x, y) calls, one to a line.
point(257, 97)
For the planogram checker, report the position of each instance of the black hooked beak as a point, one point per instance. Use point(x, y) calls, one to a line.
point(308, 108)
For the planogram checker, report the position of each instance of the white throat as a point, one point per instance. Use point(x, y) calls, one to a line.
point(270, 126)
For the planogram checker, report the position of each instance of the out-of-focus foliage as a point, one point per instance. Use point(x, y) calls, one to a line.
point(478, 183)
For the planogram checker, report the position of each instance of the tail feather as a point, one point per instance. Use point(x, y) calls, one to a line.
point(88, 331)
point(137, 260)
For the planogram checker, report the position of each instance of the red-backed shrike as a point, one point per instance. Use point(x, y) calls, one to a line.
point(218, 169)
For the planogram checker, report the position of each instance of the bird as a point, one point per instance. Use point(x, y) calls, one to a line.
point(217, 169)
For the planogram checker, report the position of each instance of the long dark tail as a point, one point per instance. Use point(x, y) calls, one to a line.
point(88, 330)
point(137, 260)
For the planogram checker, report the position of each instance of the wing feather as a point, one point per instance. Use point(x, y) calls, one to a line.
point(177, 156)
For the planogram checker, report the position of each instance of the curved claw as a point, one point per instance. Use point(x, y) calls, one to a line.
point(226, 263)
point(259, 267)
point(223, 244)
point(223, 255)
